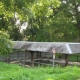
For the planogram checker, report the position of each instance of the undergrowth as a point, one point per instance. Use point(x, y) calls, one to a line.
point(15, 72)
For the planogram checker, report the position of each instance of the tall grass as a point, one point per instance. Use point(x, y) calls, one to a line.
point(15, 72)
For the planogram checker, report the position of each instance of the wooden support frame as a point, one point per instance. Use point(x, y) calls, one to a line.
point(66, 59)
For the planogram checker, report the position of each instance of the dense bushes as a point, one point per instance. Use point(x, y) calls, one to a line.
point(5, 44)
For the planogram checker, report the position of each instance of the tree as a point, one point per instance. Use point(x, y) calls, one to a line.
point(71, 9)
point(63, 24)
point(48, 20)
point(53, 23)
point(5, 44)
point(8, 9)
point(39, 20)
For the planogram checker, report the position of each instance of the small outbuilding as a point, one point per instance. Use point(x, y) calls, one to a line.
point(65, 48)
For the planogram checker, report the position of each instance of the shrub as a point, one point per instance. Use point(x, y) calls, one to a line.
point(5, 44)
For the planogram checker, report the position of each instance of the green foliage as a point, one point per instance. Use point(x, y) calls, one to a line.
point(62, 28)
point(48, 20)
point(5, 44)
point(52, 21)
point(15, 72)
point(7, 16)
point(15, 33)
point(72, 11)
point(37, 24)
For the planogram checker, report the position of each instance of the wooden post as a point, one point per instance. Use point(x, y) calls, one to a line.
point(53, 52)
point(26, 55)
point(8, 59)
point(32, 56)
point(18, 56)
point(66, 59)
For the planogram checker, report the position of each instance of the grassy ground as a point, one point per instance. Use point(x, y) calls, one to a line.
point(15, 72)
